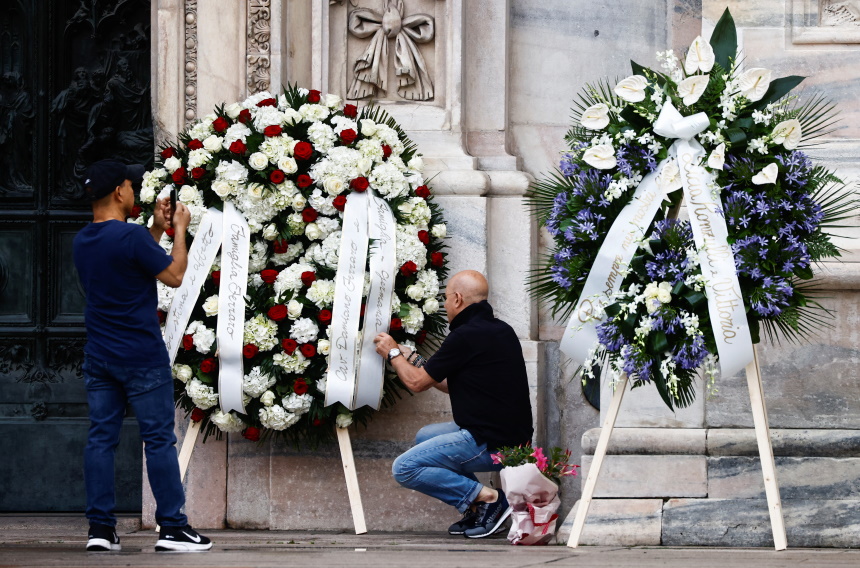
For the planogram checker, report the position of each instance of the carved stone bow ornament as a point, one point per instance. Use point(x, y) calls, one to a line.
point(371, 69)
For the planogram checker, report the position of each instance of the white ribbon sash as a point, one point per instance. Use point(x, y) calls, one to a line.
point(377, 316)
point(231, 308)
point(349, 286)
point(200, 259)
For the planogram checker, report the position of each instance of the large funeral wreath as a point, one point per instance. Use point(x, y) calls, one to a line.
point(777, 204)
point(289, 163)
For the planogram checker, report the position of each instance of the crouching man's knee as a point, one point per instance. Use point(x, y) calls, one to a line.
point(403, 470)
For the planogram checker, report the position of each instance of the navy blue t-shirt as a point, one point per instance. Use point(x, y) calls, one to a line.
point(117, 263)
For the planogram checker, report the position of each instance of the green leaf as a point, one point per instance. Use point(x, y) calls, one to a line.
point(696, 298)
point(613, 309)
point(724, 40)
point(638, 69)
point(755, 333)
point(736, 135)
point(805, 273)
point(657, 342)
point(663, 390)
point(779, 88)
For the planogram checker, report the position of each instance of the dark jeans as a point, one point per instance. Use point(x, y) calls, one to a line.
point(110, 388)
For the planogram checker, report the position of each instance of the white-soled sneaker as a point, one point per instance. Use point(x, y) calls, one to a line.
point(181, 539)
point(102, 538)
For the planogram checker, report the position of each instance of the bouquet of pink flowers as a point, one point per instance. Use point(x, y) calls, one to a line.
point(530, 481)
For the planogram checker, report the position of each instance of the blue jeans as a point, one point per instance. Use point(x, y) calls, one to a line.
point(110, 388)
point(442, 464)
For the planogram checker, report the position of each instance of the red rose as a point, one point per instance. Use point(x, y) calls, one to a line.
point(359, 184)
point(251, 433)
point(208, 365)
point(437, 259)
point(220, 124)
point(308, 350)
point(162, 316)
point(314, 96)
point(216, 277)
point(325, 316)
point(348, 136)
point(168, 153)
point(179, 176)
point(277, 176)
point(422, 191)
point(267, 103)
point(339, 202)
point(198, 173)
point(386, 150)
point(318, 422)
point(289, 345)
point(308, 277)
point(169, 231)
point(350, 111)
point(195, 144)
point(238, 147)
point(408, 269)
point(280, 246)
point(273, 130)
point(304, 180)
point(269, 275)
point(244, 116)
point(197, 414)
point(250, 350)
point(309, 215)
point(396, 324)
point(277, 312)
point(303, 150)
point(135, 211)
point(424, 237)
point(421, 337)
point(187, 342)
point(300, 387)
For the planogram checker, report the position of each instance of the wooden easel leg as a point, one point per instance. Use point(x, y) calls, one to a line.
point(765, 452)
point(597, 463)
point(351, 480)
point(188, 443)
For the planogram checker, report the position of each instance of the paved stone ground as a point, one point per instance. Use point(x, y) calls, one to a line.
point(50, 542)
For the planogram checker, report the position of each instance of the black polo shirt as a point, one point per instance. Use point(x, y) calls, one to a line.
point(483, 361)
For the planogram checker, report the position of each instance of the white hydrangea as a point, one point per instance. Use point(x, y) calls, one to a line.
point(295, 363)
point(228, 422)
point(258, 256)
point(416, 211)
point(276, 418)
point(322, 203)
point(342, 123)
point(414, 320)
point(327, 226)
point(322, 137)
point(389, 181)
point(165, 295)
point(298, 404)
point(294, 251)
point(313, 112)
point(267, 116)
point(326, 252)
point(182, 372)
point(231, 171)
point(237, 131)
point(409, 247)
point(321, 293)
point(290, 279)
point(252, 100)
point(304, 330)
point(202, 129)
point(198, 158)
point(261, 331)
point(203, 336)
point(257, 382)
point(342, 163)
point(429, 280)
point(201, 395)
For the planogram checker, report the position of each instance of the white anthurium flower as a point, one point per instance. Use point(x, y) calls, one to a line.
point(692, 88)
point(595, 117)
point(717, 159)
point(601, 157)
point(632, 89)
point(766, 175)
point(754, 82)
point(700, 57)
point(669, 178)
point(788, 133)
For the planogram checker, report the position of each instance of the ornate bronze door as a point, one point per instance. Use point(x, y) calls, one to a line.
point(74, 88)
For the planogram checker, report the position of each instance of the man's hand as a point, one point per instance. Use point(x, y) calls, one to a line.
point(161, 215)
point(416, 379)
point(181, 217)
point(384, 344)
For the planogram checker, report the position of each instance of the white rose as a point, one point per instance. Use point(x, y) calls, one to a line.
point(172, 164)
point(415, 291)
point(299, 202)
point(212, 143)
point(313, 231)
point(210, 306)
point(416, 163)
point(333, 185)
point(601, 157)
point(188, 194)
point(182, 372)
point(233, 110)
point(595, 117)
point(294, 309)
point(440, 231)
point(221, 188)
point(368, 127)
point(431, 306)
point(365, 165)
point(255, 190)
point(258, 161)
point(632, 89)
point(324, 346)
point(287, 165)
point(147, 195)
point(332, 101)
point(267, 398)
point(270, 233)
point(343, 420)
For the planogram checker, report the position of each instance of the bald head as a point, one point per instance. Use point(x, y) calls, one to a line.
point(464, 289)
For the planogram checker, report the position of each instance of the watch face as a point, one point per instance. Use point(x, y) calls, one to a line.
point(393, 353)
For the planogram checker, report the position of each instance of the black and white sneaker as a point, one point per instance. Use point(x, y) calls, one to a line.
point(491, 516)
point(467, 522)
point(181, 539)
point(102, 538)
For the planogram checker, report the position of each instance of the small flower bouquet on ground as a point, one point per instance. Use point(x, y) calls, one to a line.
point(530, 481)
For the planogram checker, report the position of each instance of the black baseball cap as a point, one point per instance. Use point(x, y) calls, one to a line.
point(104, 176)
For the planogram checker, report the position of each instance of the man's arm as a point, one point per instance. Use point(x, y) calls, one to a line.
point(172, 275)
point(416, 379)
point(438, 385)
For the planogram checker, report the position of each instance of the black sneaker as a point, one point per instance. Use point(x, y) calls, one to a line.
point(102, 538)
point(490, 517)
point(181, 539)
point(467, 522)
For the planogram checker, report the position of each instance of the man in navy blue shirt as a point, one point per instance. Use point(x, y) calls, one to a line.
point(480, 365)
point(125, 359)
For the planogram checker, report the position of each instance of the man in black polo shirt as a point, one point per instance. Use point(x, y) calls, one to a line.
point(480, 364)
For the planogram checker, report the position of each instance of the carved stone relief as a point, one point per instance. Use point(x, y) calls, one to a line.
point(259, 48)
point(370, 70)
point(840, 13)
point(825, 22)
point(190, 59)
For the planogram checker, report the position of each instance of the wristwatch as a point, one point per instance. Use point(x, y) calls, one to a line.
point(393, 353)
